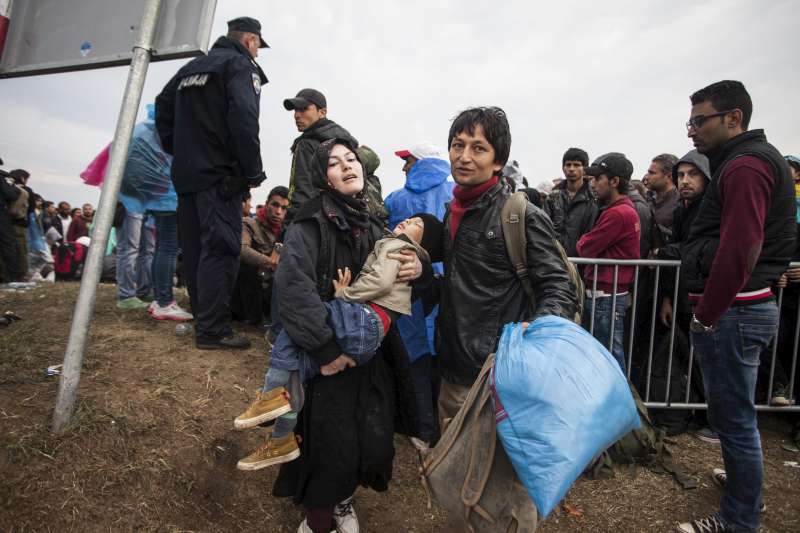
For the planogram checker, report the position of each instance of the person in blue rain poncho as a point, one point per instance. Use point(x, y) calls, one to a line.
point(428, 189)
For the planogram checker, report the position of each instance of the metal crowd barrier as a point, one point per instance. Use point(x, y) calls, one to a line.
point(656, 267)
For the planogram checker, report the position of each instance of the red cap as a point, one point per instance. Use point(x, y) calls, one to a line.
point(402, 154)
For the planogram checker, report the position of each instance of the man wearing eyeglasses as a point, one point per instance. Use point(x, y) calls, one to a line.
point(738, 246)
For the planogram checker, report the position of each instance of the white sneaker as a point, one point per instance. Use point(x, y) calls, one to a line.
point(419, 444)
point(170, 312)
point(344, 516)
point(719, 476)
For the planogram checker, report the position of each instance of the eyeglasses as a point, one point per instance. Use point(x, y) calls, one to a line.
point(698, 121)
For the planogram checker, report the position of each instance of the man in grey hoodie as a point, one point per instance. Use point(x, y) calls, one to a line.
point(690, 176)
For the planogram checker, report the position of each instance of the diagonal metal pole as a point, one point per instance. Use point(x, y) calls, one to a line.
point(84, 306)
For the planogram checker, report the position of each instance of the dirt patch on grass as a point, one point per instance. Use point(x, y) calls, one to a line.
point(151, 446)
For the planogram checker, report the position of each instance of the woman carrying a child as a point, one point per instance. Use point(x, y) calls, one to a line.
point(347, 421)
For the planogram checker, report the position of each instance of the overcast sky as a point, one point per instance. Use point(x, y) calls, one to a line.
point(604, 76)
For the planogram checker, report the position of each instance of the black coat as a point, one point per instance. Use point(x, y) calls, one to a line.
point(348, 420)
point(682, 219)
point(481, 292)
point(780, 235)
point(207, 118)
point(571, 218)
point(8, 193)
point(645, 212)
point(301, 183)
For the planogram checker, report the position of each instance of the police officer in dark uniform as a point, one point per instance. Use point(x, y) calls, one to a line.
point(207, 118)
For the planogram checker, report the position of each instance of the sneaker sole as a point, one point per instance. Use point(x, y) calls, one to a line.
point(269, 415)
point(268, 462)
point(782, 402)
point(220, 347)
point(171, 318)
point(707, 439)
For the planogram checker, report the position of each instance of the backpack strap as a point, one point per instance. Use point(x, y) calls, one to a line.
point(513, 220)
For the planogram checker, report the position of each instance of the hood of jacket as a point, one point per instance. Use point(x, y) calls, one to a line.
point(231, 44)
point(325, 129)
point(695, 158)
point(427, 174)
point(369, 160)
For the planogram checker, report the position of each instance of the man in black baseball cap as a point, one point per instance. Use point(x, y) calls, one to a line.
point(612, 164)
point(615, 235)
point(305, 98)
point(247, 25)
point(310, 116)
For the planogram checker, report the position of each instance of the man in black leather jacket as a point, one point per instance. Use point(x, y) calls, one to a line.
point(480, 291)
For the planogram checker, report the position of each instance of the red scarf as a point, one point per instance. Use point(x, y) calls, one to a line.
point(275, 229)
point(463, 197)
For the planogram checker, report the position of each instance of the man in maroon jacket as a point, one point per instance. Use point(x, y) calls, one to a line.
point(615, 235)
point(739, 244)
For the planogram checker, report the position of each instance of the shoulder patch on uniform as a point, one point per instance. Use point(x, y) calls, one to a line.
point(256, 82)
point(194, 80)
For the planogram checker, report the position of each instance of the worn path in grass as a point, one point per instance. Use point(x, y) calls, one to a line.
point(152, 448)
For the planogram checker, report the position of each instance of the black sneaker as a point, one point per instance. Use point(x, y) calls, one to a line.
point(707, 434)
point(709, 524)
point(226, 343)
point(720, 478)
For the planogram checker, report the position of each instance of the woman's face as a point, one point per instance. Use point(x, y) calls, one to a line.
point(345, 173)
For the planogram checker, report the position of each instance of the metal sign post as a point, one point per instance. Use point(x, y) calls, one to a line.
point(84, 307)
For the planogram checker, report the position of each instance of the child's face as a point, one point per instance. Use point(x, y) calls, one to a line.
point(412, 228)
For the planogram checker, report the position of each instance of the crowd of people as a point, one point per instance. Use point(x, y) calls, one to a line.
point(37, 235)
point(380, 313)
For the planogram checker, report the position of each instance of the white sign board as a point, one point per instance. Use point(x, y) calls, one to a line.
point(46, 36)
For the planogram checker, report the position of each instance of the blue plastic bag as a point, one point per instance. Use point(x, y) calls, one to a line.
point(562, 400)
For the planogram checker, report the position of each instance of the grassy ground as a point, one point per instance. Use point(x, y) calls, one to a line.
point(151, 446)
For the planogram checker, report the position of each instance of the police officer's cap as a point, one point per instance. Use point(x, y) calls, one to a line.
point(249, 25)
point(305, 98)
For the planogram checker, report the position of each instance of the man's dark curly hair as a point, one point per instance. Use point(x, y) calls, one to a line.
point(495, 127)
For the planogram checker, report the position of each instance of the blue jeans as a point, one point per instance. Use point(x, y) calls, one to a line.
point(135, 248)
point(729, 359)
point(165, 256)
point(602, 324)
point(358, 332)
